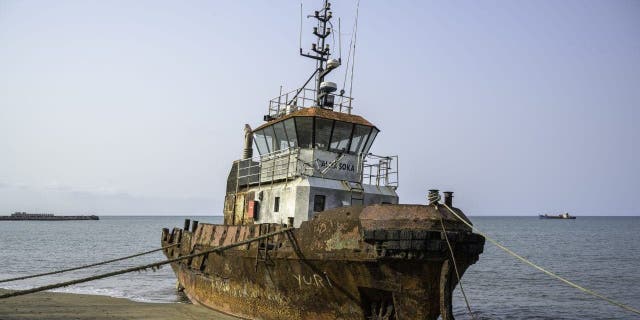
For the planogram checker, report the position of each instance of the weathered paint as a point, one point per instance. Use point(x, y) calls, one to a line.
point(296, 200)
point(336, 266)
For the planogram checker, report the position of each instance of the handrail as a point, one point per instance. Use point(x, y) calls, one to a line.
point(286, 164)
point(381, 170)
point(304, 98)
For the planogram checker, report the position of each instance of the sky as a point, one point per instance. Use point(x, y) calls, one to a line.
point(138, 107)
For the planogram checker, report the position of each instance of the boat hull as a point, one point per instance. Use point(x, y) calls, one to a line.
point(326, 269)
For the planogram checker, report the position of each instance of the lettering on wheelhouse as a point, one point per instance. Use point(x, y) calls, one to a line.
point(322, 164)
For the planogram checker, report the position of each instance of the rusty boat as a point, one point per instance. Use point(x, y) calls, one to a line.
point(350, 250)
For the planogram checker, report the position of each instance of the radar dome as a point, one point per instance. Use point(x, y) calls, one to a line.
point(333, 63)
point(328, 86)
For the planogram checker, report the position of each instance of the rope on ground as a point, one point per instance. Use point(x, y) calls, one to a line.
point(455, 267)
point(138, 268)
point(525, 260)
point(86, 266)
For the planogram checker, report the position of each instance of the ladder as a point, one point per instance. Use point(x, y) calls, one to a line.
point(264, 245)
point(357, 192)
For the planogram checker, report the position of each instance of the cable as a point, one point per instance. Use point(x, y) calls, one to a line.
point(138, 268)
point(86, 266)
point(346, 69)
point(455, 267)
point(355, 39)
point(523, 259)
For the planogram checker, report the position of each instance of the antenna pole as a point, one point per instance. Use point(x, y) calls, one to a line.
point(320, 49)
point(323, 47)
point(339, 40)
point(355, 39)
point(300, 37)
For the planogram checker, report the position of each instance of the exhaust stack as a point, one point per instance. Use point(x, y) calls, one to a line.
point(247, 152)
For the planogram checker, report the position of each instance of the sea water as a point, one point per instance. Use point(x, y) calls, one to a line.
point(600, 253)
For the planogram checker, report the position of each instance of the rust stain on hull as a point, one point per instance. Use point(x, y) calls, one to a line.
point(388, 261)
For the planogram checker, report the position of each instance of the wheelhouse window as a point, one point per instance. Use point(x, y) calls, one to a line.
point(281, 141)
point(290, 129)
point(279, 136)
point(276, 204)
point(341, 136)
point(270, 136)
point(372, 136)
point(323, 129)
point(261, 142)
point(360, 135)
point(315, 132)
point(304, 130)
point(318, 203)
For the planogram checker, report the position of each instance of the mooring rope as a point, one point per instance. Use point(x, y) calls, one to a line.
point(87, 266)
point(525, 260)
point(138, 268)
point(434, 197)
point(455, 267)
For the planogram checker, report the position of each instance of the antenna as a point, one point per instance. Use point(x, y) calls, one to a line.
point(355, 39)
point(339, 40)
point(321, 51)
point(300, 38)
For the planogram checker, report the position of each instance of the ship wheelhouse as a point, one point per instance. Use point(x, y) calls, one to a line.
point(308, 159)
point(316, 128)
point(312, 152)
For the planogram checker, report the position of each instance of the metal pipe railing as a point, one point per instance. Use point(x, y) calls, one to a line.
point(281, 104)
point(380, 170)
point(286, 164)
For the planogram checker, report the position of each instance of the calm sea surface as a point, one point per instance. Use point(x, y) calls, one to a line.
point(599, 253)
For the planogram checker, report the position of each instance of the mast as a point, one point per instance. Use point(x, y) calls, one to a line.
point(322, 53)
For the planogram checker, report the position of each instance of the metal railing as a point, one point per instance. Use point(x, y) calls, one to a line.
point(268, 168)
point(284, 165)
point(293, 100)
point(380, 171)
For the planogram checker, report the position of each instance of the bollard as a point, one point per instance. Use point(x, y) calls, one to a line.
point(194, 226)
point(448, 198)
point(187, 222)
point(433, 196)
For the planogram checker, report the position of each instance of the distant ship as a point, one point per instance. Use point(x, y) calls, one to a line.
point(21, 216)
point(565, 215)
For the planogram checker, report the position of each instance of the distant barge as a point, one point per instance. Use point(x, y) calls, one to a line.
point(22, 216)
point(560, 216)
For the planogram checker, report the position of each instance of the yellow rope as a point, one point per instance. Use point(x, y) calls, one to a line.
point(523, 259)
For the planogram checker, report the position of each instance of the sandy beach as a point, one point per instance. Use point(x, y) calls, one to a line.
point(59, 306)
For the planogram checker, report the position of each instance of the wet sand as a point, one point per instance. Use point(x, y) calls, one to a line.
point(58, 306)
